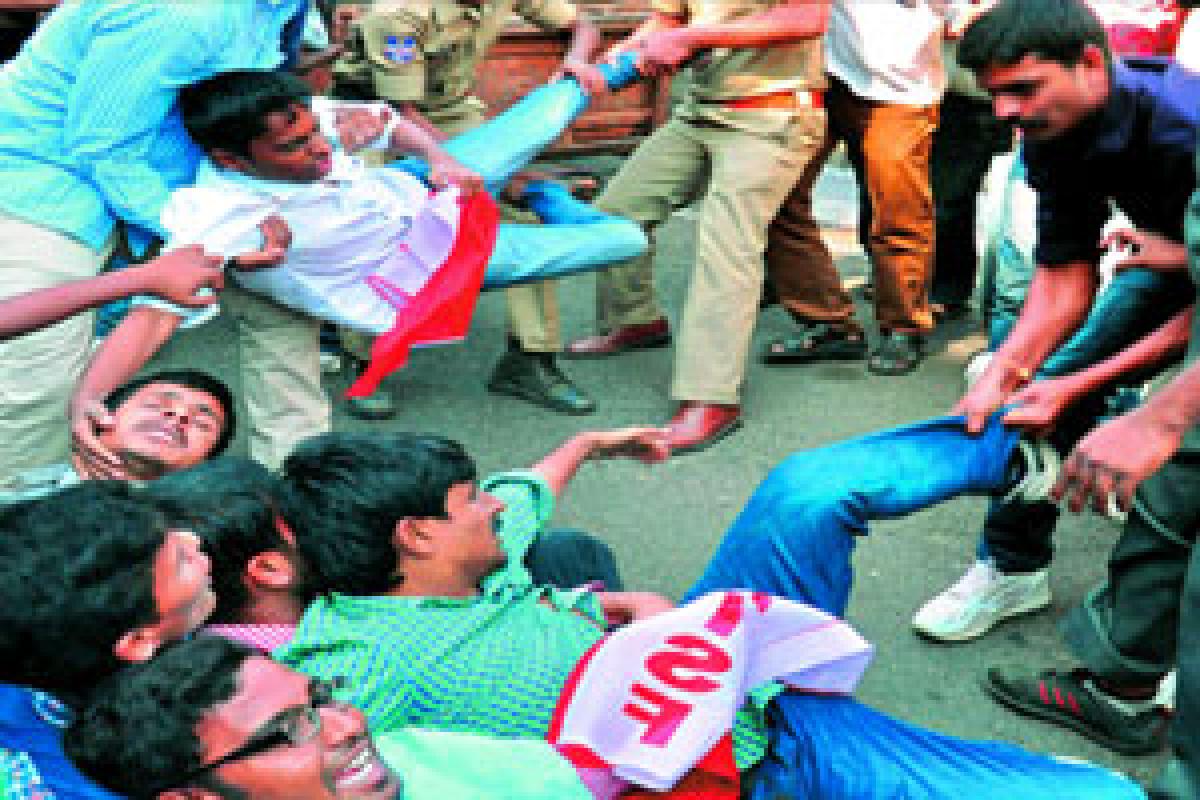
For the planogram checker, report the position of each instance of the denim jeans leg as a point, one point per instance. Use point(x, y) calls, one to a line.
point(1135, 303)
point(1018, 537)
point(796, 535)
point(532, 253)
point(836, 748)
point(567, 558)
point(505, 144)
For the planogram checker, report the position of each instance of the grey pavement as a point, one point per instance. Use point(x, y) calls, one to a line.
point(665, 521)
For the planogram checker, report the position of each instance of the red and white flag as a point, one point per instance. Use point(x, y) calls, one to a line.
point(441, 310)
point(653, 704)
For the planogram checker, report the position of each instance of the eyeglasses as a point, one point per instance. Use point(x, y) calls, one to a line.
point(292, 728)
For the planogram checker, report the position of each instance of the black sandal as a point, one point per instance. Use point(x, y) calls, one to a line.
point(817, 342)
point(897, 354)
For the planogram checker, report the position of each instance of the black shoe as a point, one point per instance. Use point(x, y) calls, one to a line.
point(897, 353)
point(536, 377)
point(948, 312)
point(817, 341)
point(1073, 700)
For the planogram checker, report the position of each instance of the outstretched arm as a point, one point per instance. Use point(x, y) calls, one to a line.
point(585, 41)
point(648, 445)
point(177, 277)
point(123, 353)
point(444, 170)
point(667, 49)
point(1114, 459)
point(1057, 303)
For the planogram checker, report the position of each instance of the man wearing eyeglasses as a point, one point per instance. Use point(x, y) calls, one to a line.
point(213, 719)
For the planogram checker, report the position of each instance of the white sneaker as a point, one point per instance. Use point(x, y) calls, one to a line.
point(979, 600)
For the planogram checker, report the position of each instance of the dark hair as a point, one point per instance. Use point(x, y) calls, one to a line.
point(231, 504)
point(137, 732)
point(1054, 30)
point(229, 111)
point(191, 379)
point(347, 491)
point(76, 574)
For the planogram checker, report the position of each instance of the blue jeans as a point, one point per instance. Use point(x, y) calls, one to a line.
point(1019, 536)
point(574, 236)
point(795, 538)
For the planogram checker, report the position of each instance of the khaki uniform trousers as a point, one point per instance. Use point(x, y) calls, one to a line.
point(38, 371)
point(890, 146)
point(737, 181)
point(279, 365)
point(533, 316)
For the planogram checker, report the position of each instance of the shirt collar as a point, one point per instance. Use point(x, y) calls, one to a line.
point(346, 168)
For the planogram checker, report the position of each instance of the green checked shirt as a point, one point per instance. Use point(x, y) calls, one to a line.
point(492, 664)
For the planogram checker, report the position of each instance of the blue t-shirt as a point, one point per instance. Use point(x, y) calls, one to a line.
point(33, 765)
point(1137, 152)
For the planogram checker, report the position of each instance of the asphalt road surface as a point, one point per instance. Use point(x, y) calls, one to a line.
point(665, 521)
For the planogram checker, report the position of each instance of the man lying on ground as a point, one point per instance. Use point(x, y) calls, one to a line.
point(425, 609)
point(91, 577)
point(93, 574)
point(210, 718)
point(260, 566)
point(436, 659)
point(157, 424)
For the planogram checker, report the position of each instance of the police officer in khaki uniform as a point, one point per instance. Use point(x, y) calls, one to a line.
point(749, 130)
point(422, 56)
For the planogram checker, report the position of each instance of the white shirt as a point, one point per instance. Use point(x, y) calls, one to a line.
point(1187, 51)
point(889, 50)
point(356, 227)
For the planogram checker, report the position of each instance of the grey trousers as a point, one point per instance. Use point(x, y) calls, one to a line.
point(1145, 618)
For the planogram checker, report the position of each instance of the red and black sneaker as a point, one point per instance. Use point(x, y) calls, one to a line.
point(1072, 699)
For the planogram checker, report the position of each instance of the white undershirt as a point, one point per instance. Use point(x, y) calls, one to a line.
point(888, 50)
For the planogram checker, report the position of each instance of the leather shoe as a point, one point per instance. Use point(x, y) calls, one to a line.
point(536, 377)
point(380, 404)
point(696, 426)
point(620, 340)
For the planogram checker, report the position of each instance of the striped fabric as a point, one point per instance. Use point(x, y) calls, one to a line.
point(493, 664)
point(89, 131)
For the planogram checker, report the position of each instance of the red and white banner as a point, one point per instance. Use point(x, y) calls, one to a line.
point(440, 311)
point(656, 700)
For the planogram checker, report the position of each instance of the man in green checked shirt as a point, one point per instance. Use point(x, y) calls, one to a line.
point(421, 606)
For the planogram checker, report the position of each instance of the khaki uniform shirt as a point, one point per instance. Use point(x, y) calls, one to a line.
point(725, 74)
point(425, 52)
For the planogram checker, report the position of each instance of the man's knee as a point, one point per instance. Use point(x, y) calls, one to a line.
point(568, 558)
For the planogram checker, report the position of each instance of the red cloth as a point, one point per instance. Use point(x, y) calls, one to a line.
point(1150, 28)
point(441, 310)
